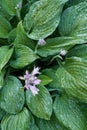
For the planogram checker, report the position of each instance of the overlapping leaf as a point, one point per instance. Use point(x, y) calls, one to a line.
point(73, 77)
point(5, 54)
point(74, 21)
point(23, 56)
point(5, 27)
point(2, 113)
point(45, 79)
point(40, 104)
point(55, 45)
point(52, 124)
point(51, 73)
point(43, 18)
point(21, 121)
point(69, 113)
point(1, 78)
point(22, 38)
point(79, 51)
point(12, 95)
point(10, 6)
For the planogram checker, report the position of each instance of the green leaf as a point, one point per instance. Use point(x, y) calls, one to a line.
point(5, 54)
point(23, 56)
point(34, 127)
point(69, 113)
point(79, 51)
point(74, 2)
point(4, 12)
point(44, 79)
point(51, 73)
point(5, 27)
point(43, 18)
point(21, 121)
point(74, 21)
point(40, 104)
point(72, 76)
point(22, 38)
point(55, 45)
point(2, 73)
point(10, 6)
point(12, 95)
point(2, 113)
point(12, 36)
point(52, 124)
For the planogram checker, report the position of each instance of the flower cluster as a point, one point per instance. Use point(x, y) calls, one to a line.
point(31, 80)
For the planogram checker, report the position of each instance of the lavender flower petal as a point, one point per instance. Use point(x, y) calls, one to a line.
point(35, 71)
point(37, 81)
point(34, 90)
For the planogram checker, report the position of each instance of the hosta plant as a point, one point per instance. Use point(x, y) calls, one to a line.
point(43, 65)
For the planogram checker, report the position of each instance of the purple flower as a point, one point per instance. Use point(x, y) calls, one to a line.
point(31, 80)
point(35, 71)
point(41, 42)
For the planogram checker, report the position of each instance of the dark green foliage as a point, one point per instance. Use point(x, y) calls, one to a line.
point(43, 64)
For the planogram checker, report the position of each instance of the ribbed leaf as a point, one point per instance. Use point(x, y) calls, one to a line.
point(52, 124)
point(23, 56)
point(74, 2)
point(33, 127)
point(5, 54)
point(43, 18)
point(5, 27)
point(40, 104)
point(1, 78)
point(79, 51)
point(44, 79)
point(9, 6)
point(51, 73)
point(74, 21)
point(12, 95)
point(2, 113)
point(22, 38)
point(55, 45)
point(21, 121)
point(68, 113)
point(73, 77)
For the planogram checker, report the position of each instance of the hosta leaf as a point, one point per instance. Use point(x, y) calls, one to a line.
point(73, 77)
point(1, 78)
point(40, 104)
point(5, 27)
point(4, 12)
point(43, 18)
point(10, 6)
point(69, 114)
point(55, 45)
point(45, 79)
point(2, 113)
point(74, 2)
point(74, 21)
point(22, 38)
point(21, 121)
point(52, 75)
point(5, 54)
point(23, 56)
point(12, 95)
point(79, 51)
point(12, 35)
point(52, 124)
point(34, 127)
